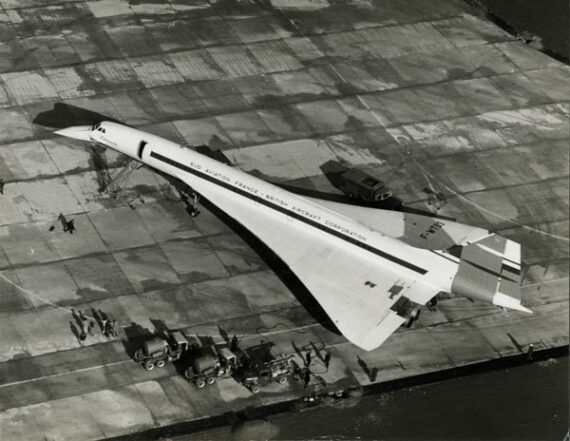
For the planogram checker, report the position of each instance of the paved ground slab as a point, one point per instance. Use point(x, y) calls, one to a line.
point(428, 99)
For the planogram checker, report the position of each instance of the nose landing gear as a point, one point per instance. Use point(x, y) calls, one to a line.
point(191, 199)
point(193, 207)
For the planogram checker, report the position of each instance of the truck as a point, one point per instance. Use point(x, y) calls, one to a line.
point(159, 350)
point(358, 184)
point(256, 374)
point(208, 363)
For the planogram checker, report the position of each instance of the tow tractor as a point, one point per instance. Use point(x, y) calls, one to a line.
point(208, 363)
point(257, 374)
point(157, 351)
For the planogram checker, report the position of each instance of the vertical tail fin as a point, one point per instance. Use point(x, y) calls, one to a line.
point(490, 270)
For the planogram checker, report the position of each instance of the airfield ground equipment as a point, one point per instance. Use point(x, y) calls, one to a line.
point(256, 374)
point(361, 185)
point(157, 351)
point(208, 363)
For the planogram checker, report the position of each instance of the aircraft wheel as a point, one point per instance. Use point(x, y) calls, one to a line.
point(149, 365)
point(410, 322)
point(200, 383)
point(414, 315)
point(160, 363)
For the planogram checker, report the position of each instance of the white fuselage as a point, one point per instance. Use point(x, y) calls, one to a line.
point(203, 174)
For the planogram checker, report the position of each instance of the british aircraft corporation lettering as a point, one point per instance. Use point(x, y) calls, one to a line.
point(268, 197)
point(371, 270)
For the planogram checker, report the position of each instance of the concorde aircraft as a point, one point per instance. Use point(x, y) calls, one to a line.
point(369, 269)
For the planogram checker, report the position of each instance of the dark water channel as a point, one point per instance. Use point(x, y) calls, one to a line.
point(524, 402)
point(546, 20)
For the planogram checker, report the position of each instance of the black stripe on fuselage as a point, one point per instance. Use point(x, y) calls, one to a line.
point(287, 212)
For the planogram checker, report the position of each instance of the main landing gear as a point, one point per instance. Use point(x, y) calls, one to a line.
point(181, 192)
point(190, 199)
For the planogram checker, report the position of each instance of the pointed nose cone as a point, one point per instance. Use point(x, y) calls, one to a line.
point(509, 302)
point(76, 132)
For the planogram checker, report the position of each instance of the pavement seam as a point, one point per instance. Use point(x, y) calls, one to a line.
point(504, 39)
point(415, 86)
point(60, 374)
point(304, 68)
point(324, 136)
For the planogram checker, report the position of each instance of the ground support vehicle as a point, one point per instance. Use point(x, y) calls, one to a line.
point(361, 185)
point(208, 363)
point(373, 192)
point(257, 374)
point(157, 351)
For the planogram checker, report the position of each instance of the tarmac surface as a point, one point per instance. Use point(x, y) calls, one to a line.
point(431, 100)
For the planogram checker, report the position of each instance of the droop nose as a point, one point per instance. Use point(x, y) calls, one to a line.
point(77, 132)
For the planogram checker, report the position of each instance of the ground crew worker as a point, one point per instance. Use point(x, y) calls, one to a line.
point(307, 378)
point(84, 320)
point(373, 374)
point(234, 343)
point(308, 358)
point(91, 327)
point(327, 359)
point(114, 328)
point(530, 352)
point(2, 183)
point(104, 326)
point(108, 328)
point(71, 226)
point(63, 221)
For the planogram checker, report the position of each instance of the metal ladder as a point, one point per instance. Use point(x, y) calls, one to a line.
point(113, 186)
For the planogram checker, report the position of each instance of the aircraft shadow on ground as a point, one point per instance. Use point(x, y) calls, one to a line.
point(333, 171)
point(65, 115)
point(280, 268)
